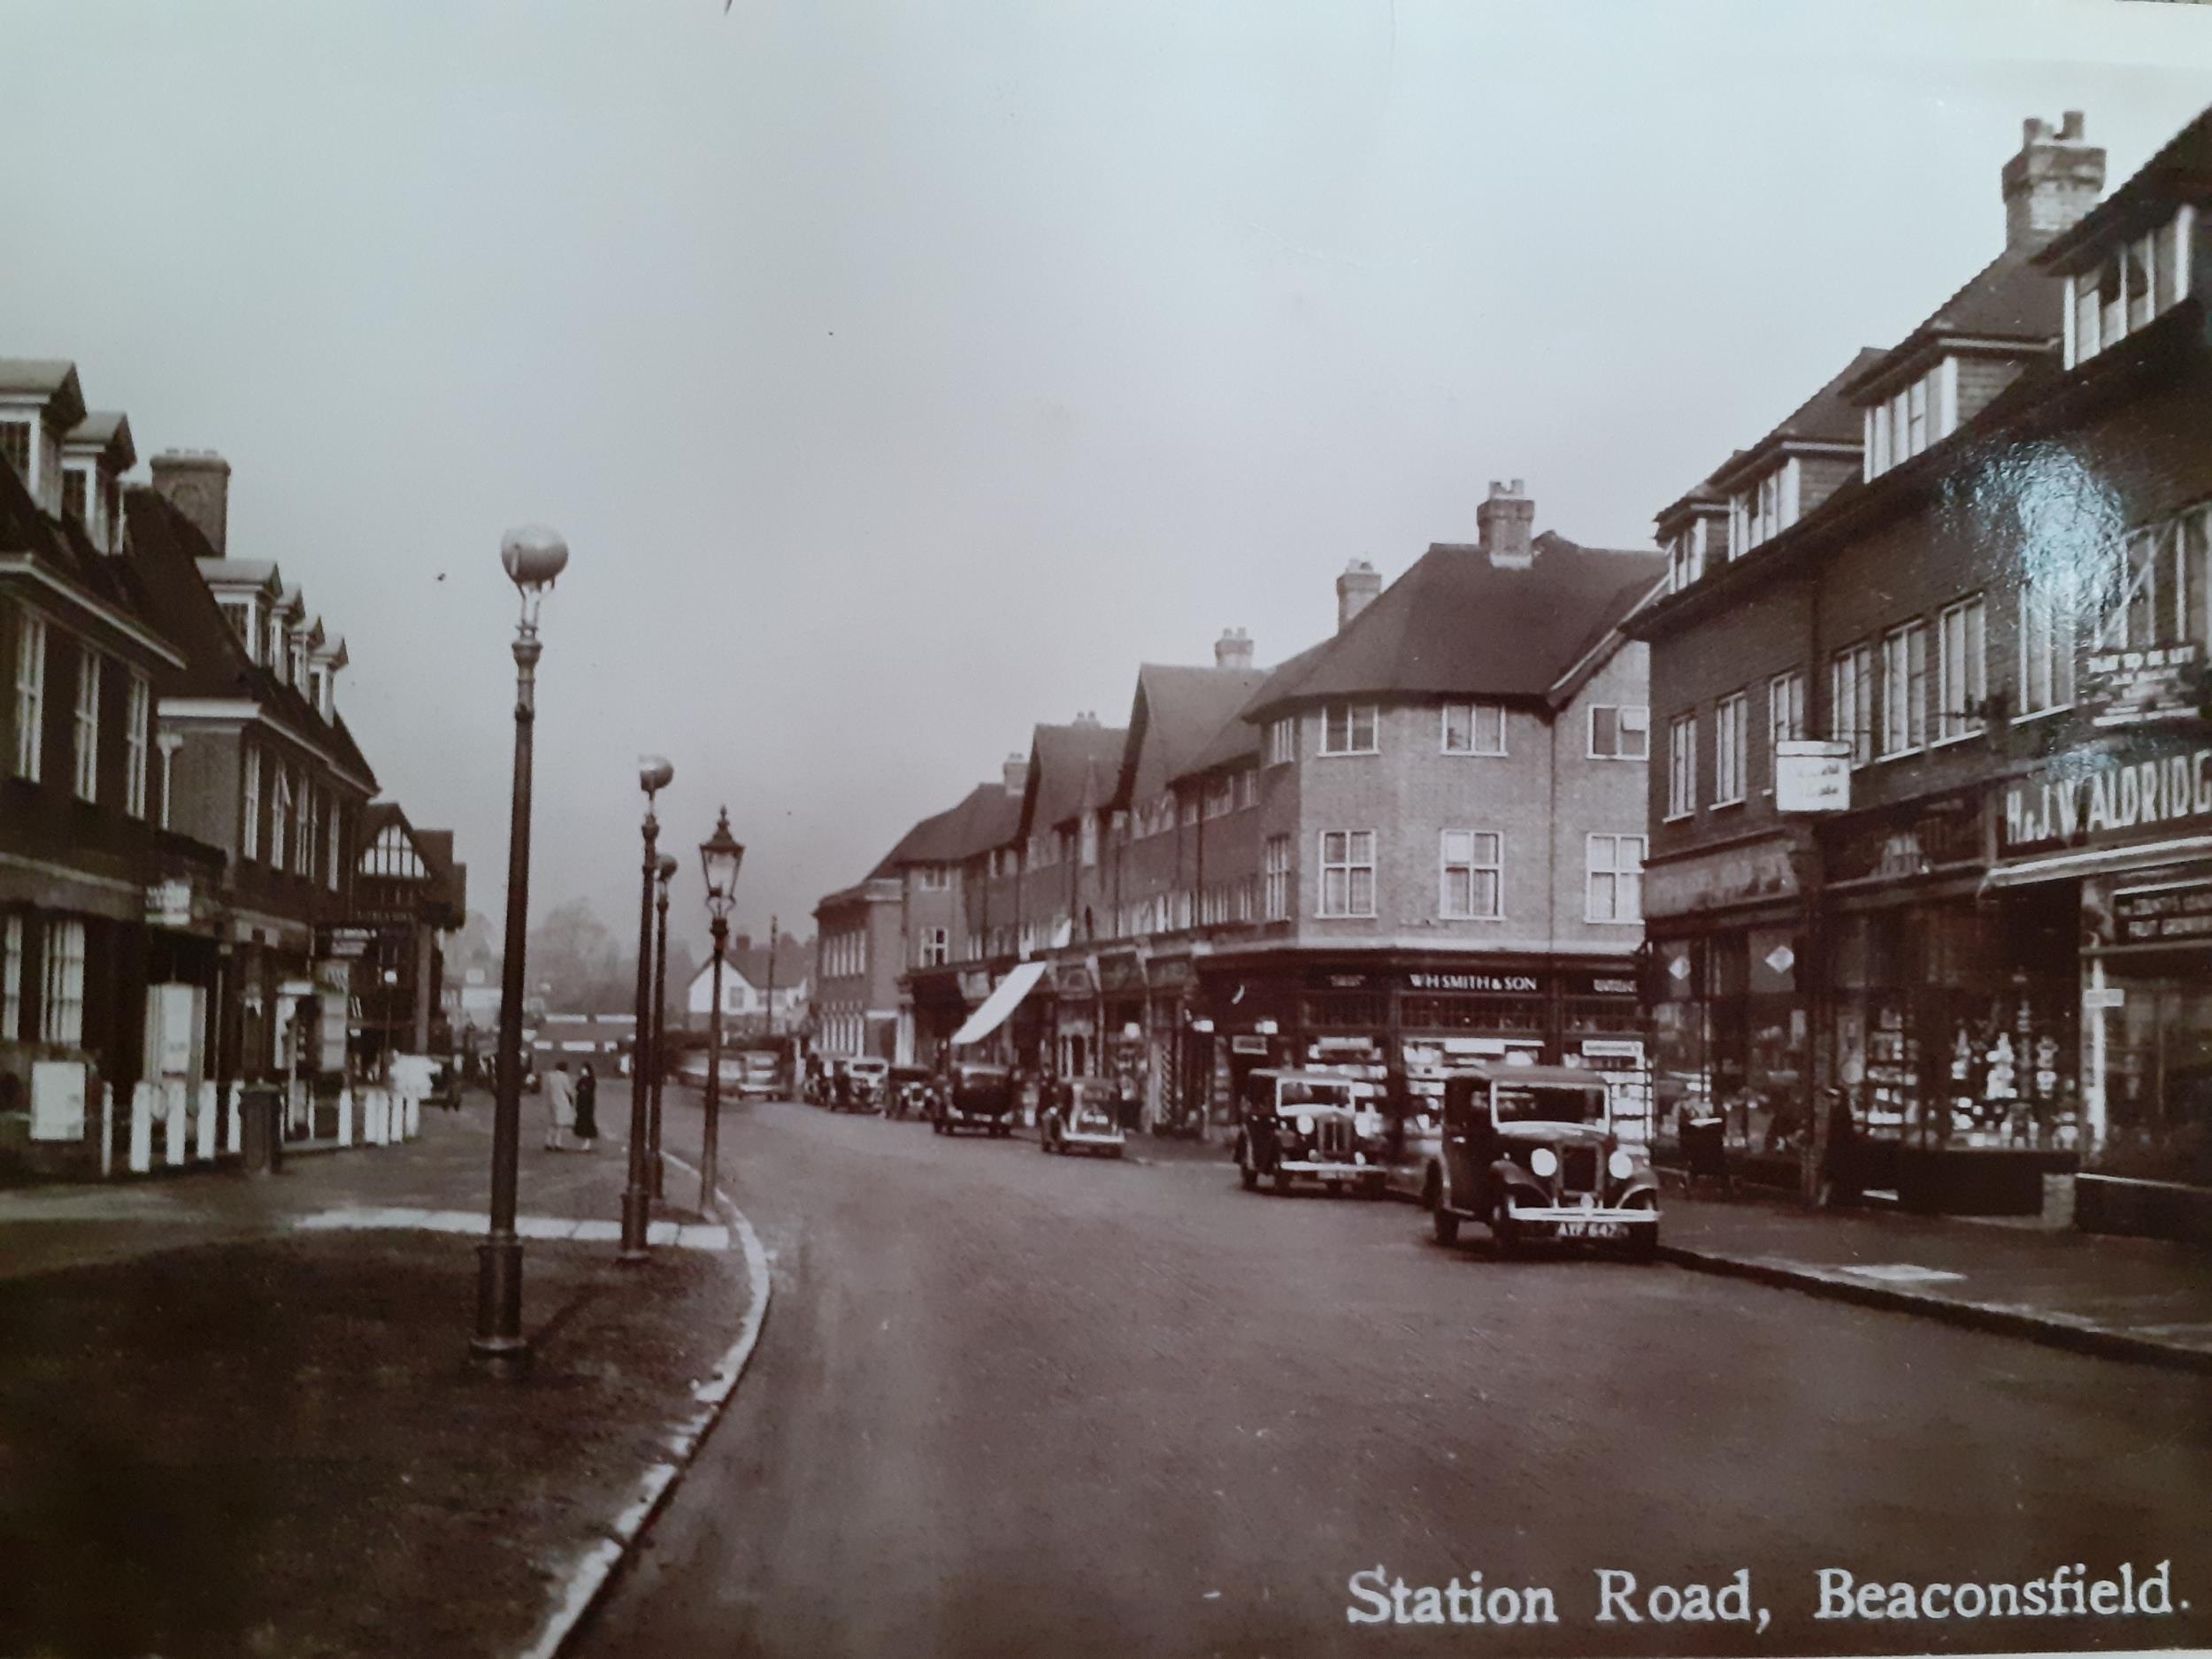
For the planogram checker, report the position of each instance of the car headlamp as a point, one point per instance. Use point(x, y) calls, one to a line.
point(1620, 1166)
point(1305, 1124)
point(1544, 1161)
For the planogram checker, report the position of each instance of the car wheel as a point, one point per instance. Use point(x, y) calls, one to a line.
point(1336, 1189)
point(1446, 1223)
point(1246, 1173)
point(1645, 1251)
point(1503, 1234)
point(1282, 1178)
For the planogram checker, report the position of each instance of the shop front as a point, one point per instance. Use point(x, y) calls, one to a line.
point(2117, 838)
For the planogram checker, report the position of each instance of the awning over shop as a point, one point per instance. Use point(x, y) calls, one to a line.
point(2101, 860)
point(1001, 1003)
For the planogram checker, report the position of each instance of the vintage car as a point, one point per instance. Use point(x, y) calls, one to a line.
point(862, 1083)
point(1084, 1117)
point(1530, 1152)
point(911, 1089)
point(1310, 1125)
point(975, 1097)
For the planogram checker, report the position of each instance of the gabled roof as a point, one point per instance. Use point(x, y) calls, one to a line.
point(1239, 738)
point(988, 816)
point(1177, 713)
point(53, 380)
point(168, 556)
point(1707, 497)
point(257, 574)
point(2180, 172)
point(1070, 767)
point(62, 546)
point(1456, 625)
point(2012, 299)
point(1828, 416)
point(108, 431)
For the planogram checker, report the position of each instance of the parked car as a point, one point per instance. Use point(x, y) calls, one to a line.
point(1084, 1117)
point(1530, 1152)
point(910, 1087)
point(867, 1084)
point(693, 1069)
point(1310, 1125)
point(975, 1097)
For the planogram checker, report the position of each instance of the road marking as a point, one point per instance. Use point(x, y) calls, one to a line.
point(1900, 1273)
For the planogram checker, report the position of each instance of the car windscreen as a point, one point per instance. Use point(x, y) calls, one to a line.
point(1549, 1103)
point(1304, 1092)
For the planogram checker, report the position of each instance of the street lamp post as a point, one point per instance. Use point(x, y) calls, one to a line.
point(654, 774)
point(535, 557)
point(720, 855)
point(654, 1167)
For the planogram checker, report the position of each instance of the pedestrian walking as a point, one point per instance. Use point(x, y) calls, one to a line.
point(587, 1109)
point(1841, 1176)
point(560, 1107)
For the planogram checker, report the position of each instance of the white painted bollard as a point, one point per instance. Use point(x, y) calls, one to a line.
point(413, 1108)
point(233, 1116)
point(205, 1123)
point(375, 1116)
point(107, 1129)
point(142, 1128)
point(176, 1145)
point(345, 1116)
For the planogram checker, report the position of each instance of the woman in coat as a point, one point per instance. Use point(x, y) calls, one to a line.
point(587, 1109)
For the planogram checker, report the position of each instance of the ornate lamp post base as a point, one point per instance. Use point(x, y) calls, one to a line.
point(498, 1345)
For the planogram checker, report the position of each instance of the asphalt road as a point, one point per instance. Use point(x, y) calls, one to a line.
point(1012, 1404)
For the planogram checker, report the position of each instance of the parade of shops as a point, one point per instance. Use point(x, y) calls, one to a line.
point(197, 898)
point(1932, 808)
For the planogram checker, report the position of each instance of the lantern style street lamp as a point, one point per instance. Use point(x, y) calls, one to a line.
point(660, 1028)
point(720, 855)
point(535, 557)
point(654, 774)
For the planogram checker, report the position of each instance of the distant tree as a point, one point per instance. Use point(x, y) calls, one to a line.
point(574, 955)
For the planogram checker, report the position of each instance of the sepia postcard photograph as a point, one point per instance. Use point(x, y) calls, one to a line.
point(1104, 828)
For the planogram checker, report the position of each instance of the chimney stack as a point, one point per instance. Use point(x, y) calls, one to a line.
point(1015, 772)
point(1356, 590)
point(2054, 180)
point(1232, 650)
point(744, 942)
point(197, 483)
point(1502, 526)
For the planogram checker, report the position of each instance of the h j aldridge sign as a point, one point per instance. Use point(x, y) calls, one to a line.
point(2086, 800)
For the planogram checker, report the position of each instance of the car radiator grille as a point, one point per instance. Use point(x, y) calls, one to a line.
point(1332, 1138)
point(1578, 1170)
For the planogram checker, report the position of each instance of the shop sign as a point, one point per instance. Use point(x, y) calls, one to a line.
point(975, 983)
point(343, 944)
point(2106, 996)
point(2179, 913)
point(1328, 979)
point(2135, 688)
point(169, 903)
point(1601, 985)
point(1812, 775)
point(1706, 881)
point(1506, 984)
point(1248, 1045)
point(1074, 981)
point(1120, 974)
point(2089, 797)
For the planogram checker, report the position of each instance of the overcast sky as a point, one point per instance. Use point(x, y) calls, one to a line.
point(903, 374)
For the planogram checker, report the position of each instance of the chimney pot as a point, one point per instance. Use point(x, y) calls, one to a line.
point(1356, 590)
point(197, 483)
point(744, 942)
point(1232, 650)
point(1504, 525)
point(2053, 180)
point(1015, 772)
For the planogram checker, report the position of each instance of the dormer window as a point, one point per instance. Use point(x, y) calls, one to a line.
point(2134, 284)
point(1685, 555)
point(274, 650)
point(298, 665)
point(1912, 418)
point(239, 614)
point(1764, 509)
point(76, 494)
point(15, 447)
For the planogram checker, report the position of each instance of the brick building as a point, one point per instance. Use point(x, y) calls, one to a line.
point(1415, 844)
point(858, 955)
point(1926, 820)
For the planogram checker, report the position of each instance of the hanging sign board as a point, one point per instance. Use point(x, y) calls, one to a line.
point(1812, 776)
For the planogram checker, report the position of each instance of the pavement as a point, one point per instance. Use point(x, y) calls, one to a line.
point(1012, 1403)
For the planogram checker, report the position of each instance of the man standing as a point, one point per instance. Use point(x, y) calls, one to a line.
point(560, 1108)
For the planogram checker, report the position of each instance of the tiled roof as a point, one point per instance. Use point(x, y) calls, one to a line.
point(1457, 625)
point(1068, 766)
point(2180, 172)
point(1177, 713)
point(62, 544)
point(1828, 416)
point(2011, 298)
point(988, 816)
point(1237, 738)
point(166, 553)
point(110, 430)
point(751, 963)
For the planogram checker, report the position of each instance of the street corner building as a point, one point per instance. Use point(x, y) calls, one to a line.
point(1931, 814)
point(1412, 846)
point(205, 918)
